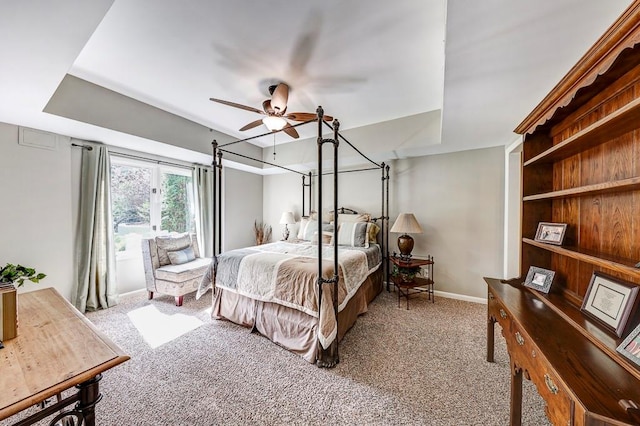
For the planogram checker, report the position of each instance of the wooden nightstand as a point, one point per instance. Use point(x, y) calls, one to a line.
point(410, 286)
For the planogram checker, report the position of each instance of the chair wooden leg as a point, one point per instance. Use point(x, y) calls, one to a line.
point(149, 295)
point(179, 300)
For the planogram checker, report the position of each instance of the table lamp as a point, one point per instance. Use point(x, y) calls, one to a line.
point(406, 223)
point(286, 219)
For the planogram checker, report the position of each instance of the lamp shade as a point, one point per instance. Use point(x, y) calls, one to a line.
point(406, 223)
point(287, 218)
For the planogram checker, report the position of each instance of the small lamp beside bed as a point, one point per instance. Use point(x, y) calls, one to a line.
point(287, 218)
point(406, 223)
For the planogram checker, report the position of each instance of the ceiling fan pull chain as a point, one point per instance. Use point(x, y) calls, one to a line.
point(274, 147)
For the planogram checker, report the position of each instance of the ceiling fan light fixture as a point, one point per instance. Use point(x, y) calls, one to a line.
point(274, 123)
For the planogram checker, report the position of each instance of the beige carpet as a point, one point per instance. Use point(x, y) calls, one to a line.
point(423, 366)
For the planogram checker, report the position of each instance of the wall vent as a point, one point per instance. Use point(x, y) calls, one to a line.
point(37, 139)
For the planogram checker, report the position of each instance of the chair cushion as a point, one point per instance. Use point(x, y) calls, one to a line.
point(179, 257)
point(171, 243)
point(185, 271)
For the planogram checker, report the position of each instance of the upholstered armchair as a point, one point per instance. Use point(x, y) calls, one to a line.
point(172, 265)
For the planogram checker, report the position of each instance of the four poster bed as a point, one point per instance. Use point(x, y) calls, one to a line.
point(286, 291)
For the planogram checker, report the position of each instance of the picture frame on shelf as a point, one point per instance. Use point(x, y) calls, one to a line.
point(539, 279)
point(610, 301)
point(630, 346)
point(551, 233)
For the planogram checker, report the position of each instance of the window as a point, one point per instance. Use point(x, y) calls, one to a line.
point(147, 199)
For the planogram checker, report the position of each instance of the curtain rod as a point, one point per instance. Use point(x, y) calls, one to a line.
point(151, 160)
point(87, 147)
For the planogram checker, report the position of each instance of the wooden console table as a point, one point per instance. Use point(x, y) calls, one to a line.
point(579, 381)
point(57, 348)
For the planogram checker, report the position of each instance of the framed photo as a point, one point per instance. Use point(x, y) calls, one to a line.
point(539, 279)
point(630, 347)
point(610, 301)
point(552, 233)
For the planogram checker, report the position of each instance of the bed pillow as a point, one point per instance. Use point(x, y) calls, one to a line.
point(346, 217)
point(179, 257)
point(327, 236)
point(354, 234)
point(302, 227)
point(310, 227)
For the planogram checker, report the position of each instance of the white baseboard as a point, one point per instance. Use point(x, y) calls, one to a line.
point(472, 299)
point(447, 295)
point(132, 293)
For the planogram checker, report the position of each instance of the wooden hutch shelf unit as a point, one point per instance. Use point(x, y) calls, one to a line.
point(581, 166)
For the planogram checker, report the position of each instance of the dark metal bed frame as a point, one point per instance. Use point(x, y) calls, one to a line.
point(328, 357)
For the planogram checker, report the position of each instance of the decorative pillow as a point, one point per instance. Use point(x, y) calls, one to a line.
point(171, 243)
point(373, 232)
point(179, 257)
point(326, 237)
point(354, 234)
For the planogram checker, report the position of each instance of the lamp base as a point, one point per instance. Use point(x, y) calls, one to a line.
point(405, 245)
point(285, 233)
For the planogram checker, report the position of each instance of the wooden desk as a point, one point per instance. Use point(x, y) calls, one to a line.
point(581, 383)
point(57, 348)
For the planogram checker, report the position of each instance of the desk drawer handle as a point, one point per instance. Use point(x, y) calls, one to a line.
point(550, 385)
point(519, 338)
point(503, 314)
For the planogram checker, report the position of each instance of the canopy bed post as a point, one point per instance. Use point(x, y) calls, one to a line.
point(214, 166)
point(382, 225)
point(220, 201)
point(385, 229)
point(328, 357)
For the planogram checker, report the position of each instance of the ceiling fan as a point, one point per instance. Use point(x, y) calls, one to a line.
point(275, 111)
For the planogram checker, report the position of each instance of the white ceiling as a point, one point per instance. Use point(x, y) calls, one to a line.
point(364, 61)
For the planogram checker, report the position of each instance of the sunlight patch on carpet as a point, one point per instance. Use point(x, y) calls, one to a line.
point(157, 328)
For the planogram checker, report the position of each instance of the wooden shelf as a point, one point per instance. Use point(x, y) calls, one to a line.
point(613, 125)
point(598, 188)
point(614, 263)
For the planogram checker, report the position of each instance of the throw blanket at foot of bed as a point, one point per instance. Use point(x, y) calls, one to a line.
point(287, 274)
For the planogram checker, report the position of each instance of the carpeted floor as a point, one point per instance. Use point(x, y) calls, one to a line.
point(423, 366)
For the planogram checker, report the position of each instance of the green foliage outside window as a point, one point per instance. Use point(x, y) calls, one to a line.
point(175, 203)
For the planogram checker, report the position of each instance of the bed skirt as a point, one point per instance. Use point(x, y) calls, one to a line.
point(288, 327)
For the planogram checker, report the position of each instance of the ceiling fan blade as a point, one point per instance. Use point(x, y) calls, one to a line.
point(291, 131)
point(251, 125)
point(280, 97)
point(306, 116)
point(235, 105)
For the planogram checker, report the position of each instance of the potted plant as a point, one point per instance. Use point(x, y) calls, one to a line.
point(13, 276)
point(405, 272)
point(17, 274)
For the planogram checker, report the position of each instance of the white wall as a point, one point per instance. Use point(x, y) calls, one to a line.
point(242, 206)
point(458, 199)
point(36, 214)
point(282, 193)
